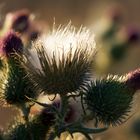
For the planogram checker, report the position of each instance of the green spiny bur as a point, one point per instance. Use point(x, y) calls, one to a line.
point(109, 100)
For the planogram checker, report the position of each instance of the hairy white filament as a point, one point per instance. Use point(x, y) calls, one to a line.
point(64, 40)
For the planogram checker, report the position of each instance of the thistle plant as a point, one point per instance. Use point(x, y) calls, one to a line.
point(59, 64)
point(109, 100)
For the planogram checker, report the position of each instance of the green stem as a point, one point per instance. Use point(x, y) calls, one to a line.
point(60, 116)
point(25, 110)
point(82, 104)
point(64, 106)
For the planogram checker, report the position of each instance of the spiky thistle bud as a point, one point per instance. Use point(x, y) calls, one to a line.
point(133, 79)
point(109, 100)
point(63, 62)
point(10, 44)
point(15, 85)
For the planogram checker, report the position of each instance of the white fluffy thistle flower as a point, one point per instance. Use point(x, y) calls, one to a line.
point(60, 61)
point(67, 39)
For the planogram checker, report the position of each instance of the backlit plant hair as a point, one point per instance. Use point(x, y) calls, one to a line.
point(65, 57)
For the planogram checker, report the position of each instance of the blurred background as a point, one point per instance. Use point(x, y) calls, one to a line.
point(79, 11)
point(116, 25)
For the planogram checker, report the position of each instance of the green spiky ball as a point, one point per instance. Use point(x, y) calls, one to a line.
point(109, 100)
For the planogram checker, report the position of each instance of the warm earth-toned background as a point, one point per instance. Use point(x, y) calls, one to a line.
point(81, 12)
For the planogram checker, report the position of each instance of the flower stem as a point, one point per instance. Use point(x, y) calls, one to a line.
point(64, 106)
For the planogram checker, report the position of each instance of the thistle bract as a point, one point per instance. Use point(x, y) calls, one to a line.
point(63, 62)
point(109, 100)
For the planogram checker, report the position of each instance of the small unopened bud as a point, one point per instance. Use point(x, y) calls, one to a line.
point(133, 79)
point(10, 44)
